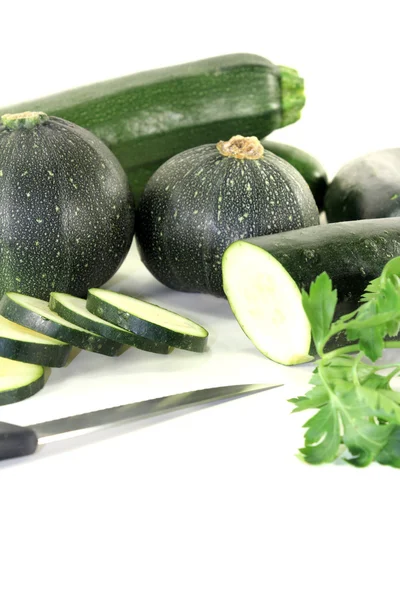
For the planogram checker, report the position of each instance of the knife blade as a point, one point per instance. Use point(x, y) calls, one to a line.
point(17, 441)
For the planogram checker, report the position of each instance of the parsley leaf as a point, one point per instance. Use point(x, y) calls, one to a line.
point(355, 406)
point(319, 306)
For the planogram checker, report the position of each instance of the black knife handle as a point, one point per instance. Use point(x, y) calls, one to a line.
point(16, 441)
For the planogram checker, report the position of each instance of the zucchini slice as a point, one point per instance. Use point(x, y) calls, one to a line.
point(267, 303)
point(19, 380)
point(36, 314)
point(74, 310)
point(148, 320)
point(23, 344)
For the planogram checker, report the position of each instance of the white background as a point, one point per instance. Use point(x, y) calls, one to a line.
point(214, 503)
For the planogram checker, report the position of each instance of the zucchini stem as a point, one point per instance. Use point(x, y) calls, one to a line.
point(24, 120)
point(242, 147)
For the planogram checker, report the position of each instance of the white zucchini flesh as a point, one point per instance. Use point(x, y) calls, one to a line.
point(16, 375)
point(41, 307)
point(266, 303)
point(78, 306)
point(151, 313)
point(13, 331)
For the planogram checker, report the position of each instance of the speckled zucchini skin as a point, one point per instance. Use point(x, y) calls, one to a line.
point(150, 116)
point(24, 391)
point(152, 331)
point(352, 253)
point(66, 212)
point(306, 164)
point(367, 187)
point(106, 330)
point(199, 202)
point(86, 340)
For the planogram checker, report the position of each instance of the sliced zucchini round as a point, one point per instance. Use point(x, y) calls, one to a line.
point(23, 344)
point(267, 303)
point(74, 310)
point(36, 314)
point(19, 380)
point(148, 320)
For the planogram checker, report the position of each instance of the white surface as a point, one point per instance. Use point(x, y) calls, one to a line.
point(213, 503)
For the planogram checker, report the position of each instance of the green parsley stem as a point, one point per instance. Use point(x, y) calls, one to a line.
point(343, 350)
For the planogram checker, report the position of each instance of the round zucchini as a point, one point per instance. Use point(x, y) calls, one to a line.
point(66, 212)
point(367, 187)
point(74, 310)
point(19, 380)
point(201, 200)
point(36, 315)
point(25, 345)
point(147, 320)
point(306, 164)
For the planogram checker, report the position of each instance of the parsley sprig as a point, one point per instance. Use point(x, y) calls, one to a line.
point(357, 411)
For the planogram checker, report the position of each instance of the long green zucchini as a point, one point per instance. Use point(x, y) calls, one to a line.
point(352, 253)
point(262, 276)
point(151, 116)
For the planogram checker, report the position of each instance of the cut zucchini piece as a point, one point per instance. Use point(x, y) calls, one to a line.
point(267, 303)
point(19, 380)
point(23, 344)
point(36, 314)
point(74, 310)
point(148, 320)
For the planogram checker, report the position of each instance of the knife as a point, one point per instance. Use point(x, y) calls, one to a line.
point(17, 441)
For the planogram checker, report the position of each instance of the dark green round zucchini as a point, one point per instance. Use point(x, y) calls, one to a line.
point(66, 212)
point(201, 200)
point(36, 315)
point(153, 115)
point(19, 380)
point(74, 310)
point(25, 345)
point(352, 253)
point(147, 320)
point(367, 187)
point(306, 164)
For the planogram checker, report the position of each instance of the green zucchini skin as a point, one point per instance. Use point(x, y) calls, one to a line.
point(152, 331)
point(367, 187)
point(39, 354)
point(47, 355)
point(153, 115)
point(85, 340)
point(106, 330)
point(307, 165)
point(352, 253)
point(139, 176)
point(24, 390)
point(200, 201)
point(66, 211)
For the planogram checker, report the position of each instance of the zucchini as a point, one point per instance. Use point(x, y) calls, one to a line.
point(203, 199)
point(266, 303)
point(151, 116)
point(74, 310)
point(36, 315)
point(367, 187)
point(352, 253)
point(23, 344)
point(307, 165)
point(148, 320)
point(19, 380)
point(66, 212)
